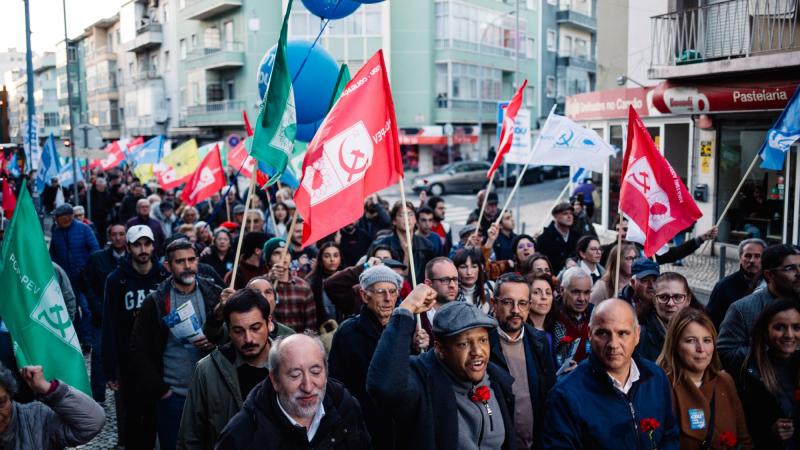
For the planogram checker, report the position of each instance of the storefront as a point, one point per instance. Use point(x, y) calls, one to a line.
point(426, 149)
point(710, 134)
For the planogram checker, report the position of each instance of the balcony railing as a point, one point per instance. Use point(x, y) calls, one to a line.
point(578, 19)
point(100, 54)
point(146, 75)
point(228, 55)
point(729, 29)
point(208, 9)
point(225, 112)
point(147, 37)
point(101, 85)
point(577, 60)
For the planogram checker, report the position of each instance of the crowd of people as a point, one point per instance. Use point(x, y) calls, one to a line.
point(508, 341)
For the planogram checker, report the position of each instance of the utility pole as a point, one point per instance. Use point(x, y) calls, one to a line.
point(29, 83)
point(71, 120)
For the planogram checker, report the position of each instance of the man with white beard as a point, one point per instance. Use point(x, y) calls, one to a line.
point(298, 406)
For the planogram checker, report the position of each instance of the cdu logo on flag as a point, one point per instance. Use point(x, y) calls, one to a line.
point(782, 135)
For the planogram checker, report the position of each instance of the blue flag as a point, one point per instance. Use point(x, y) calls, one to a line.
point(50, 164)
point(782, 135)
point(287, 177)
point(148, 153)
point(13, 167)
point(65, 174)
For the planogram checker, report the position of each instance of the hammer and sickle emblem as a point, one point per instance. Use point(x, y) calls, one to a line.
point(353, 169)
point(57, 324)
point(643, 182)
point(564, 139)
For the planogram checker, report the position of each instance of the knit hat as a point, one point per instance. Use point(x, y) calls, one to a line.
point(272, 245)
point(378, 274)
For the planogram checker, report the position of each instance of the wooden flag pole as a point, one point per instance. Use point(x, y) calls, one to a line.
point(485, 199)
point(556, 202)
point(732, 199)
point(619, 255)
point(409, 250)
point(247, 201)
point(272, 214)
point(227, 207)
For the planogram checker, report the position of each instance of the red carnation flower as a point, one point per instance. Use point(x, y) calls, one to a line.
point(481, 394)
point(648, 425)
point(567, 339)
point(797, 395)
point(728, 439)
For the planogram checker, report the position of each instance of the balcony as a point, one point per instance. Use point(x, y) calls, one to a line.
point(143, 76)
point(579, 20)
point(143, 125)
point(147, 37)
point(466, 111)
point(223, 113)
point(101, 85)
point(725, 37)
point(208, 9)
point(577, 61)
point(229, 56)
point(99, 55)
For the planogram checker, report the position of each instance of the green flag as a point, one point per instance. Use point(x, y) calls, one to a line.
point(276, 127)
point(32, 305)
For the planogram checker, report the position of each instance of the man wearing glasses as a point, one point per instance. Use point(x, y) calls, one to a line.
point(781, 266)
point(525, 354)
point(356, 339)
point(440, 274)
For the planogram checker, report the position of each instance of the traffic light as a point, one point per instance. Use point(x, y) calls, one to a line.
point(67, 143)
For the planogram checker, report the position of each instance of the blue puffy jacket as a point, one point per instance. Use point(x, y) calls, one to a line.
point(585, 411)
point(70, 248)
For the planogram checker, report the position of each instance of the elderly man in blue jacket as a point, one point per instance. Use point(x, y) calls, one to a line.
point(610, 400)
point(451, 397)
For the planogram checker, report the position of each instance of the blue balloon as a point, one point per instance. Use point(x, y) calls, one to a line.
point(306, 131)
point(313, 89)
point(331, 9)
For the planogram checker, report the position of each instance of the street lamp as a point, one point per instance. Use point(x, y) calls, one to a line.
point(622, 79)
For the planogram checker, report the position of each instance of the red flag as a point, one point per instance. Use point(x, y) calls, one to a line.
point(206, 180)
point(355, 153)
point(652, 194)
point(168, 179)
point(9, 200)
point(507, 132)
point(238, 157)
point(247, 170)
point(114, 158)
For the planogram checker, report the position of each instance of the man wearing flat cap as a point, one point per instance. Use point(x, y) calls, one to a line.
point(558, 240)
point(451, 397)
point(355, 341)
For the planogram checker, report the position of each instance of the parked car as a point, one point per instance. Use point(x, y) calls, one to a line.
point(458, 177)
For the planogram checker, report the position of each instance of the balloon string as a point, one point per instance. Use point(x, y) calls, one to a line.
point(319, 35)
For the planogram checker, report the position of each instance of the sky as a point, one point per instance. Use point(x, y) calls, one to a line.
point(47, 21)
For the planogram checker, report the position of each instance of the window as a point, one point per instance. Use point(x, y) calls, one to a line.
point(166, 12)
point(194, 41)
point(298, 24)
point(581, 49)
point(110, 41)
point(228, 29)
point(181, 4)
point(154, 63)
point(211, 38)
point(183, 48)
point(550, 87)
point(551, 40)
point(566, 46)
point(131, 70)
point(552, 2)
point(530, 48)
point(51, 119)
point(166, 60)
point(372, 20)
point(530, 96)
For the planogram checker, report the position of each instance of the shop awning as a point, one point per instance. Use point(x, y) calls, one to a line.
point(434, 135)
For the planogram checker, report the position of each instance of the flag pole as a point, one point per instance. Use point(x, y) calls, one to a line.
point(227, 206)
point(619, 251)
point(556, 202)
point(485, 199)
point(271, 212)
point(511, 195)
point(409, 250)
point(732, 199)
point(241, 229)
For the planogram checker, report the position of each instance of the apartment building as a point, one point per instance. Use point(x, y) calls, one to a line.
point(712, 79)
point(45, 95)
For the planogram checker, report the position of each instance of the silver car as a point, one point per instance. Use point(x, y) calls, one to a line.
point(463, 176)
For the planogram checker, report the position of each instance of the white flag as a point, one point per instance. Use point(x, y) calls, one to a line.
point(563, 142)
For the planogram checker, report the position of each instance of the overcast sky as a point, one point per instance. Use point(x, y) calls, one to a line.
point(47, 21)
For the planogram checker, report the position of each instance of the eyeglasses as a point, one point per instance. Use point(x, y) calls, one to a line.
point(792, 269)
point(594, 249)
point(383, 292)
point(630, 258)
point(446, 280)
point(676, 298)
point(522, 245)
point(509, 303)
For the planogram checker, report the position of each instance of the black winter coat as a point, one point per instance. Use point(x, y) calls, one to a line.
point(100, 264)
point(725, 292)
point(353, 345)
point(552, 244)
point(762, 409)
point(262, 425)
point(149, 337)
point(541, 373)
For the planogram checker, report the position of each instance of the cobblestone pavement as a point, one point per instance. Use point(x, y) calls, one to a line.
point(107, 439)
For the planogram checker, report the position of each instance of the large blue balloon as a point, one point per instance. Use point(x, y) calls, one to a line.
point(306, 131)
point(331, 9)
point(313, 89)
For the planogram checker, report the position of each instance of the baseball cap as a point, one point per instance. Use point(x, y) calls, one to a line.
point(644, 267)
point(137, 232)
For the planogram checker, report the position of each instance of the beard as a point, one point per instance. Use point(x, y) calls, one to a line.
point(295, 409)
point(187, 277)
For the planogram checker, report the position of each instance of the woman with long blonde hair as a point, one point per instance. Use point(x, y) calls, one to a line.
point(706, 404)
